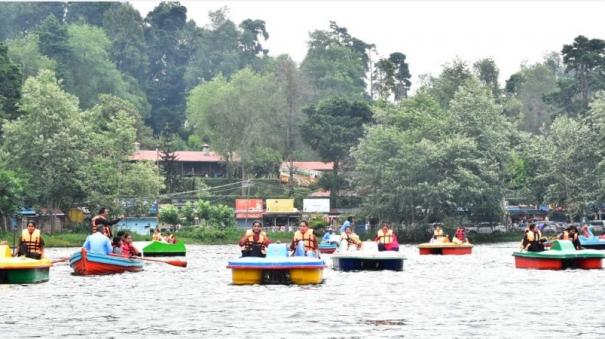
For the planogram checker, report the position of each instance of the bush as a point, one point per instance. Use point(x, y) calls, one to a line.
point(169, 215)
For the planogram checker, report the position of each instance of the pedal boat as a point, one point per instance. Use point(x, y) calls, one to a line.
point(367, 259)
point(561, 255)
point(22, 270)
point(447, 248)
point(161, 249)
point(277, 268)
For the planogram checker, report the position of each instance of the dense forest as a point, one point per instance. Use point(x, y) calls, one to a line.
point(80, 83)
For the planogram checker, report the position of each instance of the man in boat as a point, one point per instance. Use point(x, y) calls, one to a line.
point(128, 249)
point(31, 243)
point(533, 241)
point(98, 242)
point(347, 223)
point(459, 236)
point(351, 239)
point(305, 234)
point(102, 220)
point(255, 241)
point(386, 239)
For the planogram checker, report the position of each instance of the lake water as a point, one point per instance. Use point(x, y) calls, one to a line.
point(481, 295)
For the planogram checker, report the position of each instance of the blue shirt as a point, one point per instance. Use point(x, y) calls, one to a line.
point(344, 225)
point(98, 243)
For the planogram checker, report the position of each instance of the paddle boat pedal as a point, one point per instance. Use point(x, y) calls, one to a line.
point(22, 270)
point(277, 268)
point(562, 255)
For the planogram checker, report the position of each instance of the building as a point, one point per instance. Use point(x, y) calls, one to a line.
point(304, 172)
point(203, 163)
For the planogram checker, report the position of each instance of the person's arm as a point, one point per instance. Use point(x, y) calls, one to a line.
point(42, 245)
point(87, 243)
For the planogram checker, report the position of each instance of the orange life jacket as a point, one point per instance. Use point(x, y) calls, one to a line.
point(262, 241)
point(307, 239)
point(385, 238)
point(32, 240)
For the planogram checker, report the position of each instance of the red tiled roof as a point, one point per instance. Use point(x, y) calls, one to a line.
point(320, 193)
point(184, 156)
point(313, 165)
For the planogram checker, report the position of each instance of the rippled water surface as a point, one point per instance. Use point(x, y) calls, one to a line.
point(481, 295)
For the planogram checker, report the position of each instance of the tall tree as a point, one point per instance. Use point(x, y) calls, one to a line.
point(53, 42)
point(444, 87)
point(333, 126)
point(25, 52)
point(171, 168)
point(10, 85)
point(402, 76)
point(487, 71)
point(22, 17)
point(87, 12)
point(11, 194)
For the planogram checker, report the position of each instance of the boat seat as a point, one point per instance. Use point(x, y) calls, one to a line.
point(277, 250)
point(562, 245)
point(5, 251)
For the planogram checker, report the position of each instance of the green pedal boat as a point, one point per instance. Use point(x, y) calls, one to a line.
point(22, 270)
point(160, 249)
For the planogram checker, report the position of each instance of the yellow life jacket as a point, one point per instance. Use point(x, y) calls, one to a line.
point(351, 239)
point(385, 238)
point(307, 239)
point(32, 240)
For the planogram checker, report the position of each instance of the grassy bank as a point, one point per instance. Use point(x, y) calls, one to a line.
point(232, 236)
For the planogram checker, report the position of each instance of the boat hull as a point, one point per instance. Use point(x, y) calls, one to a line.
point(281, 270)
point(161, 249)
point(367, 264)
point(594, 243)
point(558, 264)
point(445, 249)
point(24, 276)
point(84, 263)
point(327, 250)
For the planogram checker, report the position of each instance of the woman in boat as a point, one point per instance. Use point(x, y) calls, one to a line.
point(31, 243)
point(438, 235)
point(255, 241)
point(128, 249)
point(386, 239)
point(459, 236)
point(571, 234)
point(351, 239)
point(305, 234)
point(532, 240)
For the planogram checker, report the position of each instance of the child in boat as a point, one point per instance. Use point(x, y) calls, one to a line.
point(128, 249)
point(117, 245)
point(438, 235)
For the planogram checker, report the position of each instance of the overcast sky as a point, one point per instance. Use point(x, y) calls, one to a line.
point(430, 33)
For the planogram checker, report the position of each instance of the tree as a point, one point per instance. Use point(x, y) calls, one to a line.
point(443, 88)
point(487, 71)
point(53, 42)
point(333, 126)
point(26, 53)
point(22, 17)
point(336, 63)
point(48, 143)
point(10, 85)
point(125, 28)
point(11, 194)
point(171, 169)
point(87, 12)
point(169, 215)
point(251, 47)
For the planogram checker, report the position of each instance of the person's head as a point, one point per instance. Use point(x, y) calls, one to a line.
point(31, 226)
point(157, 230)
point(385, 227)
point(116, 242)
point(256, 226)
point(121, 233)
point(104, 211)
point(127, 238)
point(532, 227)
point(437, 227)
point(350, 219)
point(303, 226)
point(348, 230)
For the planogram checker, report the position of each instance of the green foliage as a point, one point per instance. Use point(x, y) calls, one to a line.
point(443, 88)
point(487, 72)
point(392, 76)
point(87, 12)
point(11, 194)
point(10, 85)
point(20, 17)
point(317, 222)
point(24, 52)
point(169, 215)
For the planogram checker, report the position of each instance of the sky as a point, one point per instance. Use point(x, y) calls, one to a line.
point(430, 33)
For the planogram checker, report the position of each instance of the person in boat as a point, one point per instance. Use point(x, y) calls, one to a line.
point(587, 231)
point(157, 235)
point(347, 223)
point(438, 235)
point(386, 239)
point(571, 234)
point(116, 244)
point(31, 243)
point(532, 240)
point(351, 239)
point(255, 241)
point(102, 220)
point(171, 238)
point(98, 242)
point(459, 236)
point(128, 249)
point(305, 234)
